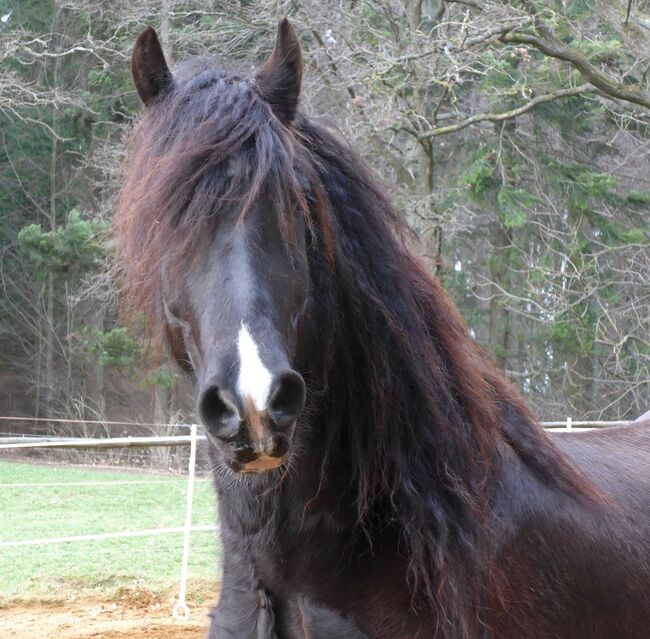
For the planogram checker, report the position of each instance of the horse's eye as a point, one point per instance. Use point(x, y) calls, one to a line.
point(173, 318)
point(179, 336)
point(296, 315)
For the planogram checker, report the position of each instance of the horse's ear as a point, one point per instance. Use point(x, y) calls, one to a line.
point(148, 66)
point(280, 77)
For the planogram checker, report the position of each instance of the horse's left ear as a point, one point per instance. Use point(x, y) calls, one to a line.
point(280, 77)
point(148, 66)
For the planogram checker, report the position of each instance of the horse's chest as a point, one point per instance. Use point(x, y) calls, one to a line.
point(299, 586)
point(302, 618)
point(321, 589)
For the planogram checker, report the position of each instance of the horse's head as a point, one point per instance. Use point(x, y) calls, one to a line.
point(214, 205)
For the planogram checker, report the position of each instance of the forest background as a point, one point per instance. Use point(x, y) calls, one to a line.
point(513, 135)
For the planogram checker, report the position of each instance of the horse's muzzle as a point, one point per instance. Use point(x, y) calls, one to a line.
point(252, 440)
point(247, 454)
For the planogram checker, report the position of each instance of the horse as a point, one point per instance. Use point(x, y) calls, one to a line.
point(377, 476)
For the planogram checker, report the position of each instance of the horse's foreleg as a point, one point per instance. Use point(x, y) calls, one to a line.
point(244, 610)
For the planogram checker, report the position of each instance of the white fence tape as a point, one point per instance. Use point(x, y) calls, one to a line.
point(61, 484)
point(97, 422)
point(109, 442)
point(102, 536)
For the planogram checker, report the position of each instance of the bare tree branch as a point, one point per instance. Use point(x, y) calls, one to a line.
point(508, 115)
point(590, 73)
point(549, 45)
point(469, 3)
point(627, 15)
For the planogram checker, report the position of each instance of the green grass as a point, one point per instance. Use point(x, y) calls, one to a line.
point(100, 566)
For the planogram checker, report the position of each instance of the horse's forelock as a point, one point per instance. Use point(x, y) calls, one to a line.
point(211, 142)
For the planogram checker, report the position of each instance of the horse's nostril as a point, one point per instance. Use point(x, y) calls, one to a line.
point(287, 399)
point(218, 416)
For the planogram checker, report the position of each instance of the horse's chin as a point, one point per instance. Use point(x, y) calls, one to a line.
point(262, 464)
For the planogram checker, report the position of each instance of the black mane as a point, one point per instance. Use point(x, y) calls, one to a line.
point(418, 410)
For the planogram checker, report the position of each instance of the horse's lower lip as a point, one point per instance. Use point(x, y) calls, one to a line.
point(262, 464)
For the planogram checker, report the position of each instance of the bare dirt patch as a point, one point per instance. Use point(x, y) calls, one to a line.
point(95, 619)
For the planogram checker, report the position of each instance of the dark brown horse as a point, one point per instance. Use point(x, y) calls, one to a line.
point(377, 476)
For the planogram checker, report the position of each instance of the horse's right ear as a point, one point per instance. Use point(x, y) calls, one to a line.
point(148, 66)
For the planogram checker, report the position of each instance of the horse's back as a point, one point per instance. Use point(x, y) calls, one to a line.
point(617, 460)
point(591, 560)
point(644, 418)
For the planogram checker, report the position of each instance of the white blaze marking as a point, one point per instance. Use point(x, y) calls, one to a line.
point(254, 378)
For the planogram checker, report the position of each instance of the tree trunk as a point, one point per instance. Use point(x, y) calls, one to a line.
point(499, 318)
point(49, 348)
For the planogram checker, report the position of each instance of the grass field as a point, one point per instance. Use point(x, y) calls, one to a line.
point(104, 566)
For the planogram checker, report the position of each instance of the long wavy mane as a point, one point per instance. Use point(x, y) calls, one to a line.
point(403, 397)
point(421, 412)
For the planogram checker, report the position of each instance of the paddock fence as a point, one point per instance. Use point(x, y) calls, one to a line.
point(13, 447)
point(20, 443)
